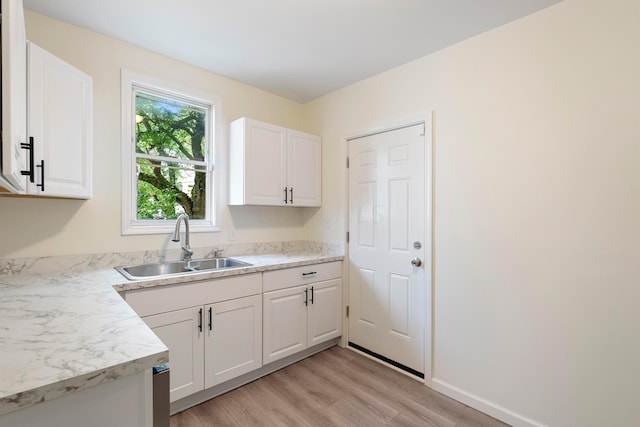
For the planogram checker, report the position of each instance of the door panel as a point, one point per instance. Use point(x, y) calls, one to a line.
point(179, 331)
point(285, 323)
point(265, 145)
point(325, 314)
point(60, 105)
point(386, 216)
point(14, 94)
point(304, 168)
point(234, 339)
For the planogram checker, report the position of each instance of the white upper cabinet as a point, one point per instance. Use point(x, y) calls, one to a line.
point(60, 123)
point(46, 117)
point(273, 166)
point(14, 98)
point(304, 154)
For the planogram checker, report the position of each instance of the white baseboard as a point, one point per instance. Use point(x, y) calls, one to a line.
point(482, 405)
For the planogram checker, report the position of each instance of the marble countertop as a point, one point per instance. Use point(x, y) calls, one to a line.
point(65, 332)
point(259, 263)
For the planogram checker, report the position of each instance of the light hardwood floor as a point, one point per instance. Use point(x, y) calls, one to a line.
point(336, 387)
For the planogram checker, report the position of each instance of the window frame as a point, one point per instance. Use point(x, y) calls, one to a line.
point(130, 83)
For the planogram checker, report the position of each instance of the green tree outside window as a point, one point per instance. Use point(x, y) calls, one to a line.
point(171, 157)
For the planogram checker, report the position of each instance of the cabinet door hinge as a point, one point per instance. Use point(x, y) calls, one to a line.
point(347, 311)
point(347, 237)
point(347, 163)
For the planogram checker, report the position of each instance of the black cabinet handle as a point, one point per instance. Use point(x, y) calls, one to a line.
point(210, 318)
point(285, 195)
point(306, 296)
point(311, 273)
point(291, 190)
point(41, 166)
point(312, 295)
point(200, 320)
point(30, 172)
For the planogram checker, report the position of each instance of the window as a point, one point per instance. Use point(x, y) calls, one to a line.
point(168, 144)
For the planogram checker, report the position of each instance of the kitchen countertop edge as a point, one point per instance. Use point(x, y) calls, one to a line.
point(259, 264)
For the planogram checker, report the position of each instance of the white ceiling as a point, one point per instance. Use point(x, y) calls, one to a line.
point(299, 49)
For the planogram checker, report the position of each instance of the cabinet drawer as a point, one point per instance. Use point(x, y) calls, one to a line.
point(289, 277)
point(174, 297)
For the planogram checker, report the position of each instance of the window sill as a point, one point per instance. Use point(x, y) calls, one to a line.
point(165, 227)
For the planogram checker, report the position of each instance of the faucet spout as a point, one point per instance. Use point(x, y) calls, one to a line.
point(186, 249)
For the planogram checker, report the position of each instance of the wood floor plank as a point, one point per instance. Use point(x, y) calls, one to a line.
point(308, 410)
point(379, 391)
point(379, 376)
point(337, 387)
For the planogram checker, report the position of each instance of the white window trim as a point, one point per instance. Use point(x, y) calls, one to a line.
point(131, 225)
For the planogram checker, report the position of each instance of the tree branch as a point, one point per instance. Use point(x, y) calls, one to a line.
point(161, 183)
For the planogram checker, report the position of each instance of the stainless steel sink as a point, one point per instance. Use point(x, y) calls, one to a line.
point(173, 268)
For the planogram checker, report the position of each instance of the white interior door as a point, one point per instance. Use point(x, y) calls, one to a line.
point(387, 228)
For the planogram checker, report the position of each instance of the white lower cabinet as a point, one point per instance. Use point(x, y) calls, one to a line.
point(245, 321)
point(301, 316)
point(208, 344)
point(285, 323)
point(324, 320)
point(233, 343)
point(179, 331)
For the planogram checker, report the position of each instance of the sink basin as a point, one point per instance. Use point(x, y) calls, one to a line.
point(173, 268)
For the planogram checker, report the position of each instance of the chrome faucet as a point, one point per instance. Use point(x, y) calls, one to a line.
point(186, 249)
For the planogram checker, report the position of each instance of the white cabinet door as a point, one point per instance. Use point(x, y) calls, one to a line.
point(285, 323)
point(273, 166)
point(234, 339)
point(182, 332)
point(304, 164)
point(325, 311)
point(257, 163)
point(14, 96)
point(60, 122)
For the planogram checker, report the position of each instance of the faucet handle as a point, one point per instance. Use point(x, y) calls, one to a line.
point(217, 252)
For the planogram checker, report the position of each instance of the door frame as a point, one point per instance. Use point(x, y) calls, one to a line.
point(427, 119)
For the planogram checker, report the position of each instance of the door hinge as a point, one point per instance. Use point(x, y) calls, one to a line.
point(347, 237)
point(347, 163)
point(347, 311)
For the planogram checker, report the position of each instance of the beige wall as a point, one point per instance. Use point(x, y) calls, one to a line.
point(536, 204)
point(536, 198)
point(37, 227)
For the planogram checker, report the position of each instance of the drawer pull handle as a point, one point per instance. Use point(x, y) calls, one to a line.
point(311, 273)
